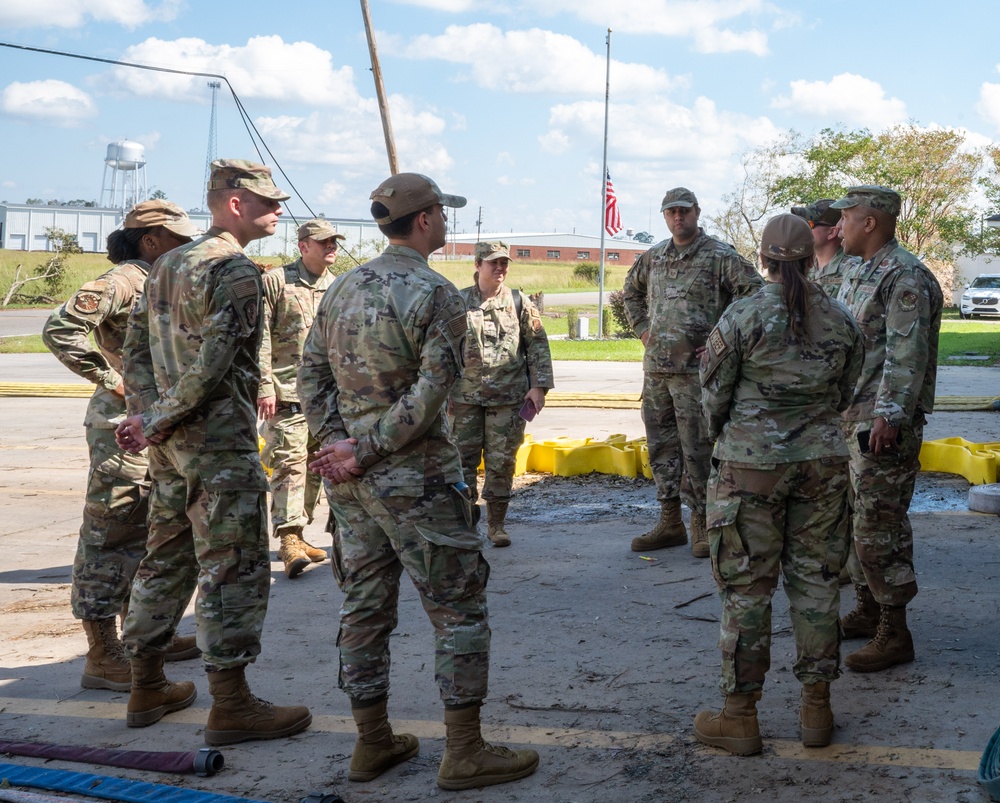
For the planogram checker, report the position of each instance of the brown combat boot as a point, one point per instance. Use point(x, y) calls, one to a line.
point(315, 554)
point(815, 715)
point(153, 695)
point(106, 667)
point(239, 716)
point(891, 645)
point(862, 622)
point(292, 554)
point(669, 530)
point(496, 515)
point(378, 748)
point(470, 763)
point(182, 648)
point(699, 536)
point(734, 728)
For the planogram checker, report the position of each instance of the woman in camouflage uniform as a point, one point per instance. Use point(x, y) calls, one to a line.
point(508, 370)
point(779, 368)
point(113, 534)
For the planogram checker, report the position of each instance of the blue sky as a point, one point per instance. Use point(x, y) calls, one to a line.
point(501, 101)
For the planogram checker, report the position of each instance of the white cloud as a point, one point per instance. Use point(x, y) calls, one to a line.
point(534, 61)
point(49, 101)
point(508, 181)
point(8, 184)
point(453, 6)
point(989, 104)
point(75, 13)
point(266, 68)
point(698, 20)
point(846, 98)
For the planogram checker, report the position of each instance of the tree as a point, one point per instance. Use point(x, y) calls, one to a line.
point(52, 272)
point(157, 195)
point(643, 237)
point(34, 202)
point(933, 170)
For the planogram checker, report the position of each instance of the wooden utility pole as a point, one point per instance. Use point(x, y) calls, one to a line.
point(383, 106)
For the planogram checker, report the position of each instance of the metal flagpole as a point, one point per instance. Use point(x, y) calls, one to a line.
point(604, 193)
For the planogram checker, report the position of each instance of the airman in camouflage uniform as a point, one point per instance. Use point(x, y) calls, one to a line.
point(377, 368)
point(779, 368)
point(831, 261)
point(507, 365)
point(113, 533)
point(192, 378)
point(674, 295)
point(291, 295)
point(897, 302)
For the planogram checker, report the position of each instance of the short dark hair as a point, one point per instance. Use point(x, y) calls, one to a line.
point(123, 244)
point(403, 227)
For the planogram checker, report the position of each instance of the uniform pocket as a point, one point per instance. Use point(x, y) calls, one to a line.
point(730, 560)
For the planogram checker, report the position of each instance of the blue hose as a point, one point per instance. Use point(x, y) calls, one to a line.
point(108, 788)
point(989, 767)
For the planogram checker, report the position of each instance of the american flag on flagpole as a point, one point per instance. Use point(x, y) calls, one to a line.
point(612, 217)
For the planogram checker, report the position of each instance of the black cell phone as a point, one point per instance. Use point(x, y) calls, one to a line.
point(864, 440)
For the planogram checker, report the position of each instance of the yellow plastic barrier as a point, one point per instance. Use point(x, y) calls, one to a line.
point(977, 462)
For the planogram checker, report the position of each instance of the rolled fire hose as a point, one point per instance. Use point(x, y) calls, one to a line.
point(202, 762)
point(989, 767)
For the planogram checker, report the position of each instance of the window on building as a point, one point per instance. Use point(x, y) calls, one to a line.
point(552, 254)
point(583, 254)
point(613, 255)
point(523, 253)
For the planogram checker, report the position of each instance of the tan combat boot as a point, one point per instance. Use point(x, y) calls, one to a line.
point(292, 554)
point(315, 554)
point(106, 667)
point(469, 762)
point(862, 622)
point(734, 728)
point(153, 695)
point(891, 645)
point(239, 716)
point(699, 536)
point(815, 715)
point(496, 515)
point(378, 748)
point(669, 530)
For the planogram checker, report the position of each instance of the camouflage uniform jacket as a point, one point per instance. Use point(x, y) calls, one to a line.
point(191, 348)
point(504, 355)
point(378, 365)
point(291, 296)
point(771, 397)
point(100, 307)
point(677, 295)
point(831, 275)
point(897, 302)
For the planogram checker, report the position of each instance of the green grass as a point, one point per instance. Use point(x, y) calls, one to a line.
point(958, 337)
point(613, 350)
point(22, 344)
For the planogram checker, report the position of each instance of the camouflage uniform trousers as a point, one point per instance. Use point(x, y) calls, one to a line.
point(376, 539)
point(288, 446)
point(492, 435)
point(207, 529)
point(677, 437)
point(762, 519)
point(113, 534)
point(882, 489)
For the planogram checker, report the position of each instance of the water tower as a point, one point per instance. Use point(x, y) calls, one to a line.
point(125, 166)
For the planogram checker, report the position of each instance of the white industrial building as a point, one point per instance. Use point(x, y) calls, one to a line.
point(22, 228)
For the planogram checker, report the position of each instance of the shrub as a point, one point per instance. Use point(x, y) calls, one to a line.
point(616, 301)
point(588, 272)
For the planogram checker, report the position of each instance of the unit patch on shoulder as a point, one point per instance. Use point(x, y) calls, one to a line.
point(908, 301)
point(86, 302)
point(250, 312)
point(717, 343)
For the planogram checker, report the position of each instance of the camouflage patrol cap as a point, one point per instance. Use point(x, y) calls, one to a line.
point(148, 214)
point(319, 229)
point(489, 252)
point(239, 174)
point(679, 196)
point(405, 193)
point(872, 196)
point(786, 238)
point(818, 212)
